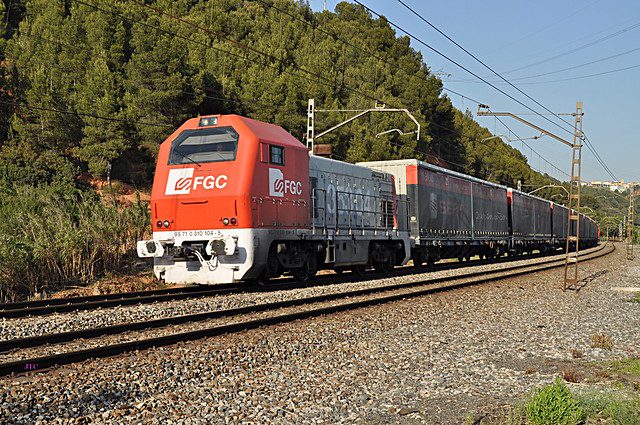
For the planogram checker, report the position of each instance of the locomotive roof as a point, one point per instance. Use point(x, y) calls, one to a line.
point(262, 130)
point(346, 167)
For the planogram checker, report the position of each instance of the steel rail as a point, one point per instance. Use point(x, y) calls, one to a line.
point(118, 301)
point(44, 362)
point(87, 298)
point(94, 302)
point(40, 340)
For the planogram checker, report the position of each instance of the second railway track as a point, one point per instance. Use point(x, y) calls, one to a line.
point(398, 292)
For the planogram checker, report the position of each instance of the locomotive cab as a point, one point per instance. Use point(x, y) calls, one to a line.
point(224, 186)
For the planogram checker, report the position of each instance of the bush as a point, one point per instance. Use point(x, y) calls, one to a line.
point(51, 236)
point(613, 407)
point(554, 405)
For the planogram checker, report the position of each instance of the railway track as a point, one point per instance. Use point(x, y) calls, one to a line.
point(397, 292)
point(95, 302)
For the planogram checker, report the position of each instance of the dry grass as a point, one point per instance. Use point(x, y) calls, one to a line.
point(55, 237)
point(572, 376)
point(602, 341)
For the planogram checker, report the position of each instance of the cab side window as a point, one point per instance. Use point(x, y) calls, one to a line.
point(276, 155)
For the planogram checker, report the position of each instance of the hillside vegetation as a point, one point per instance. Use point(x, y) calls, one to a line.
point(95, 85)
point(147, 69)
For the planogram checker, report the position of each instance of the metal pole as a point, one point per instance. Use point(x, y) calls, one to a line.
point(571, 258)
point(311, 111)
point(620, 229)
point(630, 226)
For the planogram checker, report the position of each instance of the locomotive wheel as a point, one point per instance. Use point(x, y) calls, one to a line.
point(359, 270)
point(382, 267)
point(263, 278)
point(303, 274)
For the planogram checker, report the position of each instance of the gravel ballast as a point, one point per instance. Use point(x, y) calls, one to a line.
point(431, 359)
point(78, 320)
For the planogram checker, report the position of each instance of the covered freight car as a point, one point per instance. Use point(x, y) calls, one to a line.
point(560, 216)
point(531, 221)
point(451, 215)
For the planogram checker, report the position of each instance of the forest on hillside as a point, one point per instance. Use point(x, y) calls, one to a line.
point(97, 82)
point(92, 87)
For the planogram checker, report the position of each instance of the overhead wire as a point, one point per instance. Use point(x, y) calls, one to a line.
point(576, 49)
point(580, 77)
point(545, 27)
point(589, 145)
point(190, 40)
point(557, 71)
point(460, 65)
point(336, 37)
point(533, 150)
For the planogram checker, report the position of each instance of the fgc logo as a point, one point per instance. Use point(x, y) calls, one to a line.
point(181, 182)
point(279, 186)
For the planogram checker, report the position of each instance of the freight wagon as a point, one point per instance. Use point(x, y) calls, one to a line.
point(453, 215)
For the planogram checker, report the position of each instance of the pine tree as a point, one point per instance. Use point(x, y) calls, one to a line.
point(103, 140)
point(5, 108)
point(162, 88)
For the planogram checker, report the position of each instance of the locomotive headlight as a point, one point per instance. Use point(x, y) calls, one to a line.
point(166, 223)
point(208, 122)
point(225, 221)
point(159, 223)
point(233, 221)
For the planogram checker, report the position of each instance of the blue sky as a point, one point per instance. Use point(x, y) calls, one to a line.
point(539, 36)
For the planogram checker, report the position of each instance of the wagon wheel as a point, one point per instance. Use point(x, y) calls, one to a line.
point(304, 273)
point(431, 262)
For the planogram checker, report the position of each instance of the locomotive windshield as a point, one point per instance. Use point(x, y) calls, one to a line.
point(209, 145)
